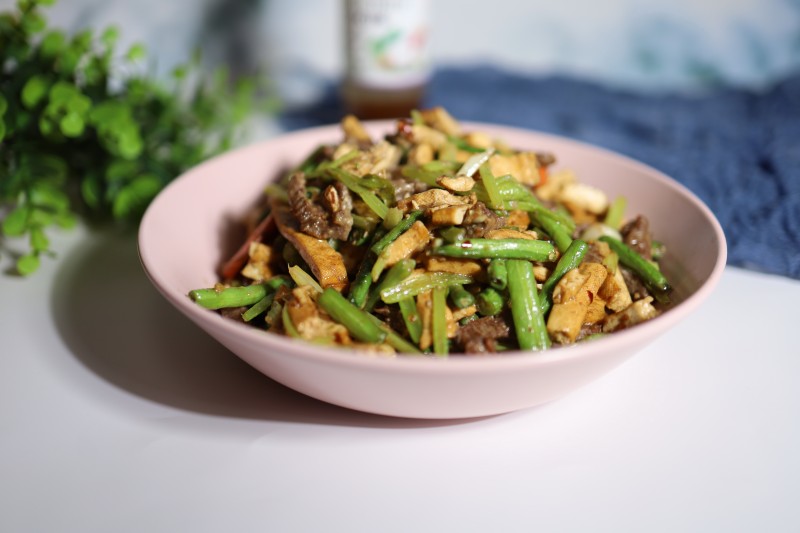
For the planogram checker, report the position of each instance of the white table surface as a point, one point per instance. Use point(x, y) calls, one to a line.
point(118, 415)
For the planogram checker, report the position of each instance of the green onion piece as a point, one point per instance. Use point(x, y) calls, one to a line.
point(492, 191)
point(439, 321)
point(303, 278)
point(474, 162)
point(416, 173)
point(616, 212)
point(423, 282)
point(288, 326)
point(259, 307)
point(399, 271)
point(351, 181)
point(393, 217)
point(411, 318)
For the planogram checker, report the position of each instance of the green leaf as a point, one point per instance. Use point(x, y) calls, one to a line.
point(40, 217)
point(45, 195)
point(2, 129)
point(82, 41)
point(16, 222)
point(28, 264)
point(46, 126)
point(91, 192)
point(66, 220)
point(34, 91)
point(52, 44)
point(72, 125)
point(3, 105)
point(135, 52)
point(62, 92)
point(134, 197)
point(130, 144)
point(33, 22)
point(79, 103)
point(110, 36)
point(39, 241)
point(121, 170)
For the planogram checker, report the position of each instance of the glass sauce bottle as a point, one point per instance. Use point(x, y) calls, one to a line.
point(387, 62)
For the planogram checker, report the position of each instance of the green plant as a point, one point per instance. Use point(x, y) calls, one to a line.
point(84, 132)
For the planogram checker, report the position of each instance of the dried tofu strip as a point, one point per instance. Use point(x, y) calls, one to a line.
point(326, 263)
point(572, 298)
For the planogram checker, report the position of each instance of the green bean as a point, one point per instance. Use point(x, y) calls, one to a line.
point(264, 303)
point(275, 282)
point(411, 318)
point(549, 223)
point(359, 288)
point(395, 232)
point(647, 271)
point(461, 297)
point(229, 296)
point(399, 271)
point(439, 321)
point(357, 322)
point(394, 339)
point(571, 258)
point(530, 249)
point(424, 282)
point(489, 301)
point(563, 218)
point(453, 234)
point(528, 318)
point(467, 319)
point(498, 275)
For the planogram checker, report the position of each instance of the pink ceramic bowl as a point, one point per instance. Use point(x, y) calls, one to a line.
point(183, 239)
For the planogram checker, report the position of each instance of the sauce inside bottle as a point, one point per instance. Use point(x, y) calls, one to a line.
point(387, 57)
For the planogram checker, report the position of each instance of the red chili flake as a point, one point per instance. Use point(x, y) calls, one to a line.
point(404, 129)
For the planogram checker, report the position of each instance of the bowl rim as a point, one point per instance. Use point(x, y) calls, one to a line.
point(456, 363)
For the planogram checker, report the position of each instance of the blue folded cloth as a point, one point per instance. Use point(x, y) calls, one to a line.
point(737, 149)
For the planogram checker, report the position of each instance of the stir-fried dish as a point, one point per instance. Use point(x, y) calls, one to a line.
point(436, 240)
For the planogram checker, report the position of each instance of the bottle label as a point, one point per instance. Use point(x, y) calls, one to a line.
point(387, 43)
